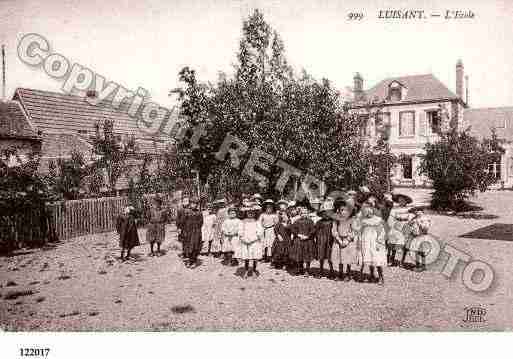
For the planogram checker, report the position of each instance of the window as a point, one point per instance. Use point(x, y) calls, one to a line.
point(395, 94)
point(365, 129)
point(434, 121)
point(407, 124)
point(383, 118)
point(407, 164)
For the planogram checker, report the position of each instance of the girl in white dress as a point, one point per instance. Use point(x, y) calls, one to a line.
point(268, 220)
point(230, 231)
point(207, 231)
point(251, 234)
point(372, 248)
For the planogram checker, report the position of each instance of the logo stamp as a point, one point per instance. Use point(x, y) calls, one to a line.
point(475, 314)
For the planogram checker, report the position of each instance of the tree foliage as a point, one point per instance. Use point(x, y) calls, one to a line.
point(458, 166)
point(292, 117)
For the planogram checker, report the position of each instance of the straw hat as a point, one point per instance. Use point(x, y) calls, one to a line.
point(257, 196)
point(282, 201)
point(268, 202)
point(292, 204)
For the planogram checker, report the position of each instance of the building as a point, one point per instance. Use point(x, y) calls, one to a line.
point(67, 123)
point(417, 108)
point(481, 122)
point(17, 135)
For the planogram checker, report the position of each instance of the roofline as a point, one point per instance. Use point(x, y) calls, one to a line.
point(24, 110)
point(386, 104)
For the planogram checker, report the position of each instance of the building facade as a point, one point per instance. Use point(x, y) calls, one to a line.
point(417, 108)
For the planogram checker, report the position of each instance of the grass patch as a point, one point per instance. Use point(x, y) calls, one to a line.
point(72, 314)
point(40, 299)
point(11, 283)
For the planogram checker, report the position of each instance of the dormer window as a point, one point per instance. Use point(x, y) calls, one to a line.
point(395, 91)
point(395, 94)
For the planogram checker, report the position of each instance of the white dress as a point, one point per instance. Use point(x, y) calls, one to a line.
point(230, 230)
point(372, 241)
point(207, 230)
point(268, 222)
point(251, 234)
point(398, 218)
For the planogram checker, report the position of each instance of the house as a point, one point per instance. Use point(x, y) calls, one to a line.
point(16, 133)
point(67, 123)
point(417, 108)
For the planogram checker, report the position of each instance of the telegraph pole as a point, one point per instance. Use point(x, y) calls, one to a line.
point(3, 73)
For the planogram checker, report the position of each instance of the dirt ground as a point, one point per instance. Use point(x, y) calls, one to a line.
point(81, 285)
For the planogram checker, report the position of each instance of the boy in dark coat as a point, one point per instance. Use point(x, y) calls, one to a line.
point(126, 227)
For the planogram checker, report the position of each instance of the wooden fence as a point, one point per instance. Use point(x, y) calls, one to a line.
point(69, 219)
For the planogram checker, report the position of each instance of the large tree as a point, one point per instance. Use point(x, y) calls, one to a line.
point(294, 118)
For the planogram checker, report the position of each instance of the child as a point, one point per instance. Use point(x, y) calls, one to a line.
point(156, 231)
point(303, 248)
point(281, 242)
point(371, 233)
point(251, 235)
point(324, 237)
point(126, 226)
point(293, 212)
point(395, 238)
point(410, 230)
point(217, 236)
point(230, 230)
point(207, 231)
point(268, 220)
point(420, 245)
point(192, 224)
point(315, 206)
point(344, 246)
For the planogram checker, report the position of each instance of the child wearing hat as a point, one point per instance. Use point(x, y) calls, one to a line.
point(302, 250)
point(192, 225)
point(126, 226)
point(371, 239)
point(230, 229)
point(251, 234)
point(324, 237)
point(344, 245)
point(268, 220)
point(282, 241)
point(156, 230)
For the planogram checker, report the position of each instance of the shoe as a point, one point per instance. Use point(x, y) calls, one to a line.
point(381, 281)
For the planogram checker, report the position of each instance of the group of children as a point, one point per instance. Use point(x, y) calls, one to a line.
point(353, 232)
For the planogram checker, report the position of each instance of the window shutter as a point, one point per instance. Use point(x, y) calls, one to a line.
point(422, 123)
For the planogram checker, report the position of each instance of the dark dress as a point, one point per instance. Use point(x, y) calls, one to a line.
point(180, 223)
point(191, 223)
point(324, 238)
point(302, 250)
point(281, 244)
point(127, 230)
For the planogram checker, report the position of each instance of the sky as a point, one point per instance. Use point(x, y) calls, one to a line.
point(146, 43)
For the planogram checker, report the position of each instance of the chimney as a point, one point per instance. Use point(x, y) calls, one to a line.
point(466, 89)
point(459, 79)
point(358, 86)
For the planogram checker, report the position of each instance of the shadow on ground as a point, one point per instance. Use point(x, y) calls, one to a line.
point(496, 231)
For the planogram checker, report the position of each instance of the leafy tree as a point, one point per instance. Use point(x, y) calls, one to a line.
point(458, 166)
point(23, 195)
point(294, 118)
point(110, 154)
